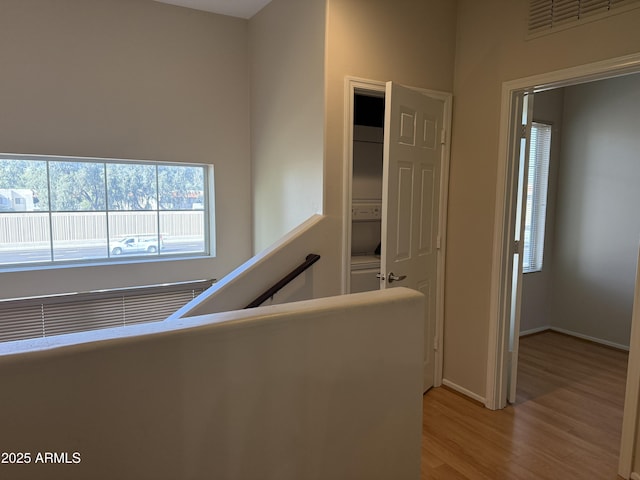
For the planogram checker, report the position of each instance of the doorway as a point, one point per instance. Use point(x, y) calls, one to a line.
point(428, 115)
point(502, 366)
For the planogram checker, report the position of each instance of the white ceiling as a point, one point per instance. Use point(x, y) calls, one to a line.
point(234, 8)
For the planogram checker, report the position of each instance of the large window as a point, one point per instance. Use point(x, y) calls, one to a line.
point(66, 210)
point(536, 209)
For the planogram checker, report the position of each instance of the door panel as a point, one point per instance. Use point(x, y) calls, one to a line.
point(410, 200)
point(427, 212)
point(403, 225)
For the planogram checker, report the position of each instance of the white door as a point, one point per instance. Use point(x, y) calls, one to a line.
point(413, 142)
point(521, 141)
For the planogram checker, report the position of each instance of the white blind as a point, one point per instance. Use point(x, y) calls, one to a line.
point(536, 209)
point(547, 14)
point(57, 315)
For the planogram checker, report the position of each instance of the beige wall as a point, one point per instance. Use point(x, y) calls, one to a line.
point(598, 226)
point(130, 79)
point(409, 42)
point(405, 41)
point(491, 49)
point(586, 286)
point(286, 41)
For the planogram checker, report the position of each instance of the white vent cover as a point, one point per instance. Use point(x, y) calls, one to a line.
point(545, 15)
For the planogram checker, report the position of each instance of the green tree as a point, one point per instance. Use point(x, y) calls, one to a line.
point(26, 175)
point(77, 186)
point(180, 186)
point(131, 187)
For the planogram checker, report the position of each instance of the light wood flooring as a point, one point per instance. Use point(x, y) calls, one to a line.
point(565, 424)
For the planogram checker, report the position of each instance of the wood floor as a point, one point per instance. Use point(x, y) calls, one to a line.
point(566, 423)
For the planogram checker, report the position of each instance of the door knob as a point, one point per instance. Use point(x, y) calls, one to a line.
point(396, 278)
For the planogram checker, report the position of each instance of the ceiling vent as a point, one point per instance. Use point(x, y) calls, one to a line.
point(546, 16)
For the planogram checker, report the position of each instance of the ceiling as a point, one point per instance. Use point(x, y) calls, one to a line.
point(234, 8)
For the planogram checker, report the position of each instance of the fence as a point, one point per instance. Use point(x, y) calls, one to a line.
point(28, 228)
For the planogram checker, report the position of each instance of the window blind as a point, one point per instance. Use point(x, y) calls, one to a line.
point(545, 15)
point(57, 315)
point(536, 208)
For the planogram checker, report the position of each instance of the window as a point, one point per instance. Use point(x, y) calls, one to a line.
point(536, 208)
point(56, 210)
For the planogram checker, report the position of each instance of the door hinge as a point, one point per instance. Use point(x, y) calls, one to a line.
point(523, 131)
point(438, 242)
point(435, 343)
point(443, 136)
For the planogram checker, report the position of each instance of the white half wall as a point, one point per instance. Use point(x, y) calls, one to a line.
point(258, 274)
point(322, 389)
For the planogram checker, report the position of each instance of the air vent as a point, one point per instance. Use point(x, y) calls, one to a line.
point(549, 15)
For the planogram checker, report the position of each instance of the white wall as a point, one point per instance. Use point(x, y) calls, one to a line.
point(324, 389)
point(131, 79)
point(537, 287)
point(598, 227)
point(286, 41)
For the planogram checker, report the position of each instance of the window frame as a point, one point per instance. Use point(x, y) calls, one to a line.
point(208, 211)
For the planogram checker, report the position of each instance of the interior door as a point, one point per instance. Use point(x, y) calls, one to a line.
point(413, 142)
point(521, 143)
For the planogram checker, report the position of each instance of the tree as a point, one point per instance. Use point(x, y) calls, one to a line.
point(94, 186)
point(26, 175)
point(131, 187)
point(77, 186)
point(180, 186)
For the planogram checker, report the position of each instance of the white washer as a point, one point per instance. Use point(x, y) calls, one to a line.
point(364, 269)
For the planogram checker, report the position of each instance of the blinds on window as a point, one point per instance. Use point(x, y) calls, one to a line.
point(547, 14)
point(538, 180)
point(57, 315)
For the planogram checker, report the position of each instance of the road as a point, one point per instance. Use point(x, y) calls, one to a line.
point(86, 252)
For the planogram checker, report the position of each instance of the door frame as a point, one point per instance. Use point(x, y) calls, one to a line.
point(355, 85)
point(497, 361)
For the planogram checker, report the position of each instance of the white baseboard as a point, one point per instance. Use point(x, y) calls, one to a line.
point(592, 339)
point(619, 346)
point(531, 331)
point(464, 391)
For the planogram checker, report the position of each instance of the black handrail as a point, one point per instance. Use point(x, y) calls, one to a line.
point(310, 260)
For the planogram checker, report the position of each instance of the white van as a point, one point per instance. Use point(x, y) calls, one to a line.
point(136, 244)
